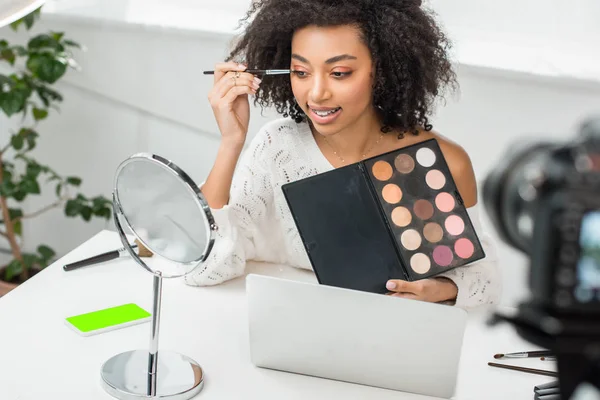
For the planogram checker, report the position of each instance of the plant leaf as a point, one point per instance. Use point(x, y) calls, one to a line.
point(105, 213)
point(8, 55)
point(71, 43)
point(30, 186)
point(74, 181)
point(98, 201)
point(46, 67)
point(30, 260)
point(33, 170)
point(18, 228)
point(14, 268)
point(39, 114)
point(7, 188)
point(29, 19)
point(5, 80)
point(46, 252)
point(72, 208)
point(48, 95)
point(7, 174)
point(58, 189)
point(13, 101)
point(43, 41)
point(58, 36)
point(15, 25)
point(19, 195)
point(15, 213)
point(30, 137)
point(102, 207)
point(86, 213)
point(17, 141)
point(20, 50)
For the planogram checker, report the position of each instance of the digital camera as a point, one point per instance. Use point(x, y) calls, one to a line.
point(544, 199)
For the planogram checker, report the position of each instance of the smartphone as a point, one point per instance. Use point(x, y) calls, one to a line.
point(108, 319)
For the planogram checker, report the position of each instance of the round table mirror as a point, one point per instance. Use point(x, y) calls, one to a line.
point(158, 206)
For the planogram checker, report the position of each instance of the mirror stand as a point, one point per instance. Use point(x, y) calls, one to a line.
point(153, 374)
point(134, 374)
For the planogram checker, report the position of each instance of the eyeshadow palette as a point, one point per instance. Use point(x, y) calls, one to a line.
point(397, 215)
point(423, 210)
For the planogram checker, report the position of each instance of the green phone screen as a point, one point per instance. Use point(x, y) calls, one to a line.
point(108, 317)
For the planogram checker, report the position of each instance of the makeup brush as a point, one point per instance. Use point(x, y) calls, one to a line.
point(107, 256)
point(523, 369)
point(544, 392)
point(525, 354)
point(553, 396)
point(258, 72)
point(142, 250)
point(544, 386)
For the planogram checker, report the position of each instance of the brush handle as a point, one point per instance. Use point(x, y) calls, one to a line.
point(109, 255)
point(258, 72)
point(547, 397)
point(544, 386)
point(541, 353)
point(529, 354)
point(523, 369)
point(544, 392)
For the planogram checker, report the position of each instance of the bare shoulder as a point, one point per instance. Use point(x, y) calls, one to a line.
point(460, 166)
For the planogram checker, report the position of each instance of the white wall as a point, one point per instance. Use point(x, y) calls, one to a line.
point(141, 90)
point(548, 20)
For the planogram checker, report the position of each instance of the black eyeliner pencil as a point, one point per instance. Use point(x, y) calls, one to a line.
point(258, 72)
point(523, 369)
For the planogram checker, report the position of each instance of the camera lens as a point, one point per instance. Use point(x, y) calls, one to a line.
point(510, 192)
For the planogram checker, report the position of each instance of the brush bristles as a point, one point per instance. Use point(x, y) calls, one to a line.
point(497, 356)
point(142, 250)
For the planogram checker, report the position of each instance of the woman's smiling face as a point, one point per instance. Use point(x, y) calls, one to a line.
point(332, 76)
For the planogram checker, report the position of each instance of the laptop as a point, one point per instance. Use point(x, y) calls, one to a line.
point(354, 336)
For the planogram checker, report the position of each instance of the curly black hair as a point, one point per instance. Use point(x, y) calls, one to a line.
point(409, 50)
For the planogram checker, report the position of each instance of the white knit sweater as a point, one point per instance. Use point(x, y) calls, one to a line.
point(257, 224)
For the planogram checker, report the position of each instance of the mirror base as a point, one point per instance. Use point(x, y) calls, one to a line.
point(125, 376)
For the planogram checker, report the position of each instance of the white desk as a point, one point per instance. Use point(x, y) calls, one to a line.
point(40, 358)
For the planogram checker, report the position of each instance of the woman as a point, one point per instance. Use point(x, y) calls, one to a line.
point(365, 74)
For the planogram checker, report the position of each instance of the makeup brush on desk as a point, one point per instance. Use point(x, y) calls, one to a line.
point(109, 255)
point(525, 354)
point(523, 369)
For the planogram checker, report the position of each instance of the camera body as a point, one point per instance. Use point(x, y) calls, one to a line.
point(565, 273)
point(544, 199)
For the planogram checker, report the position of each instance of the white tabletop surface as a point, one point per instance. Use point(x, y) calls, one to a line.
point(41, 358)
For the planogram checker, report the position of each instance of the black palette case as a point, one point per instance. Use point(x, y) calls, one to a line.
point(394, 216)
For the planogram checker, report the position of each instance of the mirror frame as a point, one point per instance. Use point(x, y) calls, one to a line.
point(194, 191)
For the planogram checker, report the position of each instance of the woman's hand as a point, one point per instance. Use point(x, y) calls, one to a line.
point(432, 290)
point(229, 100)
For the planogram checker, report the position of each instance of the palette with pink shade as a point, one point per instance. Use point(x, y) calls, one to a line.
point(394, 216)
point(423, 210)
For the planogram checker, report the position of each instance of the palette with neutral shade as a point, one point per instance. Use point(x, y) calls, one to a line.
point(393, 216)
point(423, 209)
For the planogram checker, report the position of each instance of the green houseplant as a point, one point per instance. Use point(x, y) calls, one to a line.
point(27, 92)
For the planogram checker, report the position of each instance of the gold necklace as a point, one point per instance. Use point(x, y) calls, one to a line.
point(364, 154)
